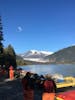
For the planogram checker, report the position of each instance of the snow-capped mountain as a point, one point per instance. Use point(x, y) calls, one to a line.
point(35, 54)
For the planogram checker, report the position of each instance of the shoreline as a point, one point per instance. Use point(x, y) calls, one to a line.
point(12, 89)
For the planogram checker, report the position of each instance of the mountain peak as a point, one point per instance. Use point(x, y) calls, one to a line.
point(43, 52)
point(35, 54)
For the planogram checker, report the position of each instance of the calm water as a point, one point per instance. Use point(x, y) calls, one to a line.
point(65, 70)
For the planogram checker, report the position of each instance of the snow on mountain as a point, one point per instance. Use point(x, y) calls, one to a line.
point(35, 54)
point(46, 52)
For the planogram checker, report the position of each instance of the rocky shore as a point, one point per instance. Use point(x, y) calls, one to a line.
point(12, 89)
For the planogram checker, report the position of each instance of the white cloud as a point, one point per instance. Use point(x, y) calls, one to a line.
point(19, 28)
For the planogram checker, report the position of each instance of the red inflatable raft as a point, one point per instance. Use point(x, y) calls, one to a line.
point(69, 95)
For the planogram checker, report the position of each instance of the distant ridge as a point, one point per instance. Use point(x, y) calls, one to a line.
point(66, 55)
point(34, 56)
point(63, 56)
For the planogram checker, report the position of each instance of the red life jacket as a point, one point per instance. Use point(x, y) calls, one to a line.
point(48, 86)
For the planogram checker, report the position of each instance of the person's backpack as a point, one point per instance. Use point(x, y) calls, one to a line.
point(48, 86)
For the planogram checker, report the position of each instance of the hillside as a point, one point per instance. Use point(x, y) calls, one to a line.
point(19, 57)
point(32, 57)
point(66, 55)
point(34, 54)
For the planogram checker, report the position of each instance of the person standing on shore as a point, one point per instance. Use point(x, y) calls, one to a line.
point(27, 88)
point(11, 72)
point(49, 90)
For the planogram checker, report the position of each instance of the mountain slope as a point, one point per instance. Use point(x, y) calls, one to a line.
point(35, 54)
point(19, 57)
point(66, 55)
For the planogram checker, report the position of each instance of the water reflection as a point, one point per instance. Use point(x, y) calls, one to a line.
point(65, 70)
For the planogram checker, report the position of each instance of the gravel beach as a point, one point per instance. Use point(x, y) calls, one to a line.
point(11, 90)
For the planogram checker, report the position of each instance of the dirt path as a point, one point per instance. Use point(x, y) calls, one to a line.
point(11, 90)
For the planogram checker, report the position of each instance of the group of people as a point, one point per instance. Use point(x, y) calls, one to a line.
point(38, 87)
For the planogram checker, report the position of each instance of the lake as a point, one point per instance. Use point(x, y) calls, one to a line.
point(64, 69)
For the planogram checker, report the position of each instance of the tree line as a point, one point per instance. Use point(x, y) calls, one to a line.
point(7, 55)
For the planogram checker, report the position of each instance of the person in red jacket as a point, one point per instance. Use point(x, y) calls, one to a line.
point(49, 90)
point(27, 90)
point(11, 72)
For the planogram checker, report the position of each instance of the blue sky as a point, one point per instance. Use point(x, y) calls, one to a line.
point(38, 24)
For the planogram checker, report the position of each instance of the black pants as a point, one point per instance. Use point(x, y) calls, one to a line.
point(38, 94)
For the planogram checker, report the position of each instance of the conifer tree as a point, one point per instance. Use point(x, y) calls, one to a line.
point(1, 36)
point(11, 50)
